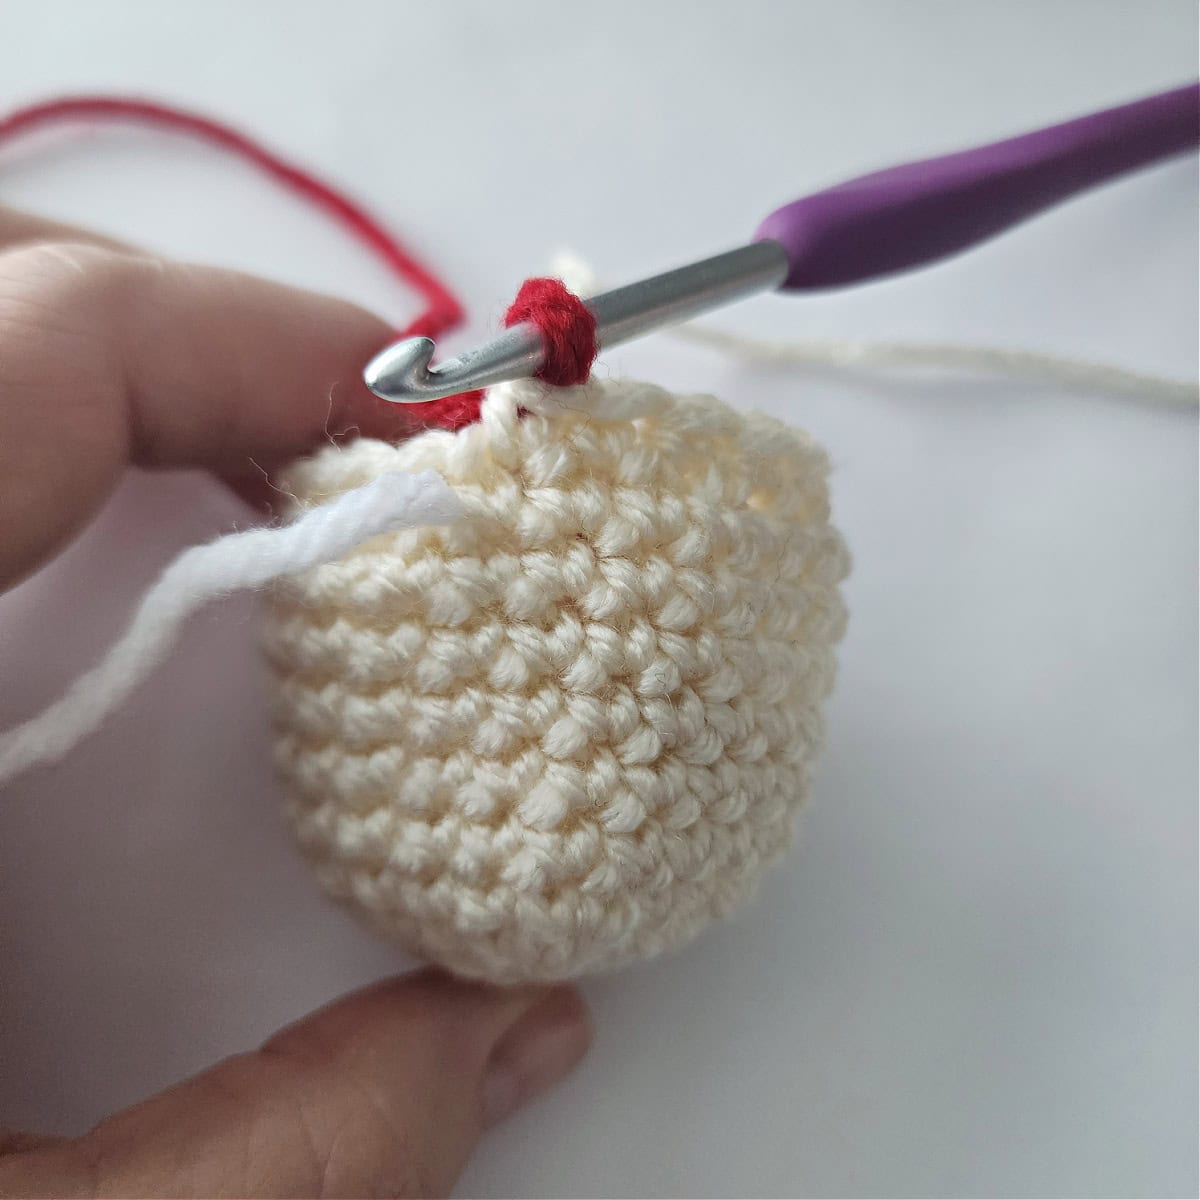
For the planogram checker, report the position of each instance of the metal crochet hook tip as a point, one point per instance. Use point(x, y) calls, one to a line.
point(403, 367)
point(402, 373)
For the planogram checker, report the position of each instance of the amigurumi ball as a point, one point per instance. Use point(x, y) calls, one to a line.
point(567, 731)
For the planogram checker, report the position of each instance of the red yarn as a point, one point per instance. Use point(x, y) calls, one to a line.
point(567, 325)
point(443, 311)
point(450, 412)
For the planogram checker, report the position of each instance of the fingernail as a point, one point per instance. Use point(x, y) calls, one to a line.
point(535, 1053)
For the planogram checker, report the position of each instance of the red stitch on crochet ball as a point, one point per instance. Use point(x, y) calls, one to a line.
point(450, 412)
point(567, 326)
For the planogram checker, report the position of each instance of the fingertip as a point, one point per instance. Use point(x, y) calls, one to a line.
point(534, 1054)
point(224, 368)
point(384, 1092)
point(428, 1016)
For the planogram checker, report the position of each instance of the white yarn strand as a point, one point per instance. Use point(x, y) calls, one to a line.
point(237, 562)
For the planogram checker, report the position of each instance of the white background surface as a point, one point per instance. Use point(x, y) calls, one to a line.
point(977, 974)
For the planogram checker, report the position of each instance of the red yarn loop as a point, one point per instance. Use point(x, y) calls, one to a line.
point(443, 311)
point(567, 326)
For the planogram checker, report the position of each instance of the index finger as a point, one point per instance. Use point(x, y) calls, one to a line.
point(109, 358)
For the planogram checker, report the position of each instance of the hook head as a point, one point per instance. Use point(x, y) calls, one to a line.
point(401, 372)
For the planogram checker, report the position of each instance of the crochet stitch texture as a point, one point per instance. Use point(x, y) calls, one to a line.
point(567, 731)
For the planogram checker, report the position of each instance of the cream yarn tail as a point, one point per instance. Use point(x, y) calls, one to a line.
point(849, 353)
point(1028, 364)
point(568, 731)
point(234, 563)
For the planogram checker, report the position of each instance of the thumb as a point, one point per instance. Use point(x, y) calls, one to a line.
point(383, 1093)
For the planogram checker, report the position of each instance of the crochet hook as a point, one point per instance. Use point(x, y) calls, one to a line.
point(867, 228)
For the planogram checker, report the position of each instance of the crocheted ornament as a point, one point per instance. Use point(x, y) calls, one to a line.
point(566, 731)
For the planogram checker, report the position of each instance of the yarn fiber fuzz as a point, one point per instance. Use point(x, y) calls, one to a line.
point(567, 731)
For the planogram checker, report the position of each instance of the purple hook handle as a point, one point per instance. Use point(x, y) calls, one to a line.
point(921, 212)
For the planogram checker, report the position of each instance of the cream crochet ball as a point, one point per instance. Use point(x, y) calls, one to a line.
point(567, 731)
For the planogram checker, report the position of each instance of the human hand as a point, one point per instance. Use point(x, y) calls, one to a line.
point(110, 357)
